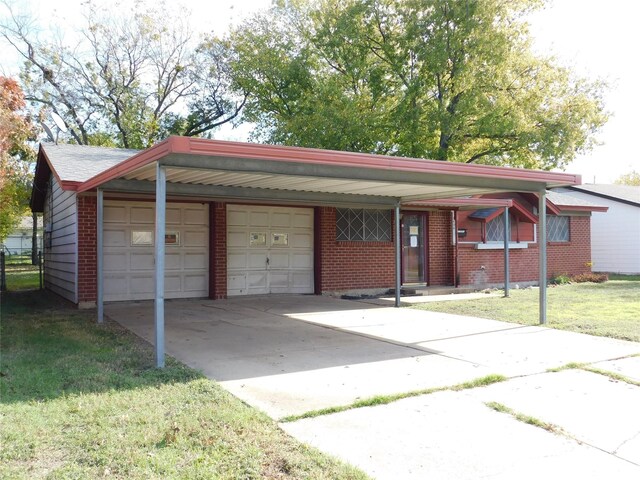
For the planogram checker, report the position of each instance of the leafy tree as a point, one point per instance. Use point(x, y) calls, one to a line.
point(133, 77)
point(631, 178)
point(15, 156)
point(444, 79)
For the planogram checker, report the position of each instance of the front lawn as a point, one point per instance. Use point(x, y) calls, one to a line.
point(610, 309)
point(78, 400)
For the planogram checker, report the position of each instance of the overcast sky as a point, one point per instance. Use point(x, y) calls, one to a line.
point(597, 38)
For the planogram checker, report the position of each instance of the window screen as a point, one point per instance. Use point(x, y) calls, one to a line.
point(360, 225)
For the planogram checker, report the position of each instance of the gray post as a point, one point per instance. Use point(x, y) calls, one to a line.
point(542, 254)
point(3, 276)
point(40, 268)
point(161, 194)
point(398, 253)
point(507, 236)
point(100, 255)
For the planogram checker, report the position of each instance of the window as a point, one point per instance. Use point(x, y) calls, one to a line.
point(360, 225)
point(495, 229)
point(557, 228)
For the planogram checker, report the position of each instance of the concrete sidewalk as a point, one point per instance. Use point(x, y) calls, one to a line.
point(291, 354)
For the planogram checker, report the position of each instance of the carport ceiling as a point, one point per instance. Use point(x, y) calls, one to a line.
point(239, 170)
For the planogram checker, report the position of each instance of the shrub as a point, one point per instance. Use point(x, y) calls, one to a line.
point(590, 277)
point(561, 279)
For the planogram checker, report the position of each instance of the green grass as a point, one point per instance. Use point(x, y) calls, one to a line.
point(78, 400)
point(584, 366)
point(528, 419)
point(22, 277)
point(610, 309)
point(385, 399)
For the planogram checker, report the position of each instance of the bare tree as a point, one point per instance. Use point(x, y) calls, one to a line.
point(133, 77)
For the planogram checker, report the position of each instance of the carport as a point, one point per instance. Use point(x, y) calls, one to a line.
point(250, 173)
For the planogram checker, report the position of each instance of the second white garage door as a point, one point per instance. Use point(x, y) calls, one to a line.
point(269, 250)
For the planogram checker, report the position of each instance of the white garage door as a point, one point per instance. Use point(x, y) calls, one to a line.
point(129, 250)
point(269, 250)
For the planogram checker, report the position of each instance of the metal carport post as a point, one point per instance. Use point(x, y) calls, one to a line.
point(507, 237)
point(542, 254)
point(161, 206)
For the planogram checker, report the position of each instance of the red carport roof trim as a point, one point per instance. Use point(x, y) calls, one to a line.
point(219, 148)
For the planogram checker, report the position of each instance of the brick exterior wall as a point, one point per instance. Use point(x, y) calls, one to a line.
point(87, 259)
point(351, 265)
point(441, 252)
point(569, 258)
point(218, 250)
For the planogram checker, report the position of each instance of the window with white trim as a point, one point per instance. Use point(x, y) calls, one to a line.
point(362, 225)
point(557, 228)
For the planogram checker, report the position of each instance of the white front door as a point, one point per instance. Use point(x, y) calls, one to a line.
point(269, 250)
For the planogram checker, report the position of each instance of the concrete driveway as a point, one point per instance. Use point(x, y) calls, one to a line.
point(292, 354)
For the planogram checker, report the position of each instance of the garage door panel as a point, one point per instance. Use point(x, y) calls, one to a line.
point(237, 261)
point(279, 260)
point(141, 284)
point(236, 218)
point(142, 261)
point(173, 261)
point(173, 216)
point(303, 280)
point(194, 261)
point(257, 280)
point(142, 215)
point(287, 234)
point(193, 216)
point(302, 261)
point(303, 220)
point(115, 285)
point(173, 284)
point(114, 214)
point(195, 283)
point(115, 238)
point(257, 260)
point(115, 262)
point(302, 240)
point(237, 239)
point(131, 268)
point(258, 219)
point(281, 219)
point(195, 238)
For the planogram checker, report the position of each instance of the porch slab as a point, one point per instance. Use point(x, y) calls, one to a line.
point(629, 367)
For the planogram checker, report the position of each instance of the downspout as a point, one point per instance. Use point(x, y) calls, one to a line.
point(456, 260)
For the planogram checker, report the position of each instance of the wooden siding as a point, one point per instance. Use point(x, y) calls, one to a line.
point(60, 249)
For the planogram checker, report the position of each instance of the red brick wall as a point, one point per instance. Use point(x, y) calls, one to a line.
point(87, 262)
point(218, 250)
point(569, 258)
point(440, 249)
point(351, 265)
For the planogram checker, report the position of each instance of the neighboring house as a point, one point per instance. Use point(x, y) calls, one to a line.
point(257, 219)
point(19, 241)
point(615, 237)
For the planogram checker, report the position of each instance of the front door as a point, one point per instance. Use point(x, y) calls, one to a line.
point(414, 248)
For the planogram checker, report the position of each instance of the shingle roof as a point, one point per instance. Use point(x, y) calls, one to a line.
point(78, 163)
point(565, 200)
point(625, 193)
